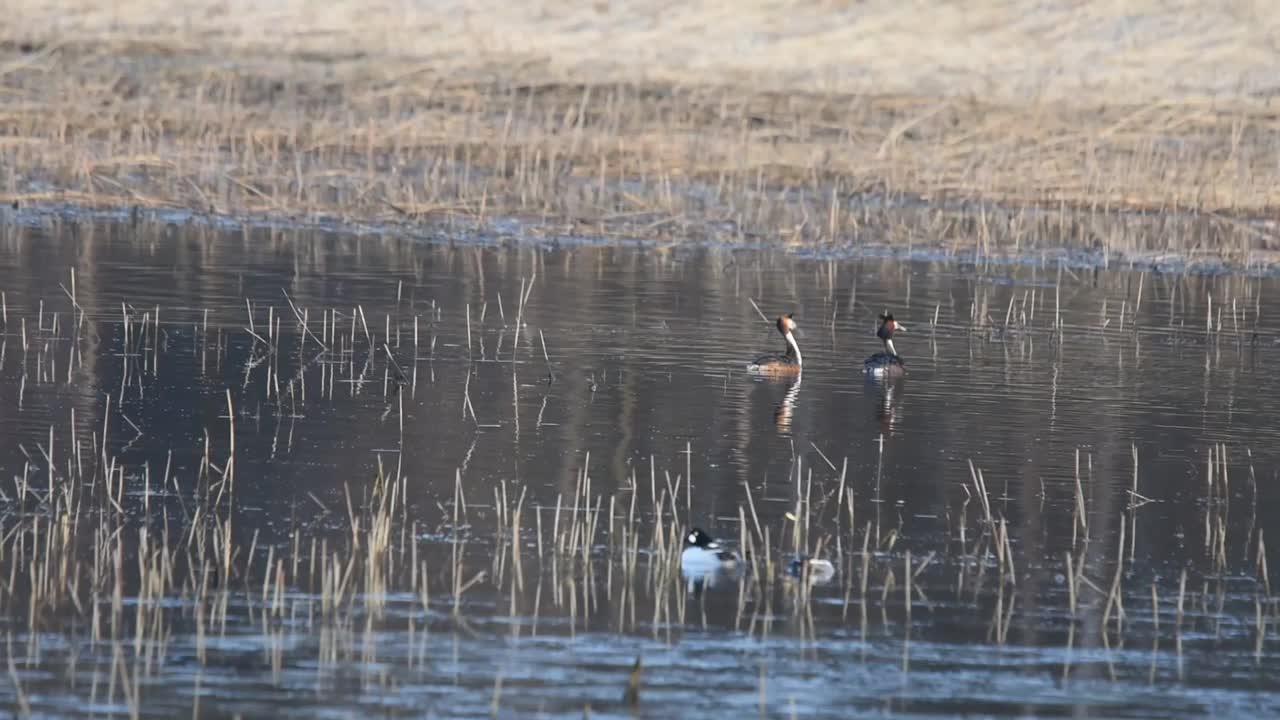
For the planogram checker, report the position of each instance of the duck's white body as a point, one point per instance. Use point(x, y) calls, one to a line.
point(817, 570)
point(703, 555)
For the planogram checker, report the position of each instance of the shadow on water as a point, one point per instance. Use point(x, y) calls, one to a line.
point(304, 474)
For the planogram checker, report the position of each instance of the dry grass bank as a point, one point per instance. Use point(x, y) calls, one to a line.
point(799, 120)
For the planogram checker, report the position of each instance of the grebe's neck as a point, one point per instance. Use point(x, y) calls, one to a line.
point(888, 347)
point(793, 349)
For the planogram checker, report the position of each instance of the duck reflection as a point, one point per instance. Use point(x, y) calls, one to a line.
point(783, 413)
point(699, 580)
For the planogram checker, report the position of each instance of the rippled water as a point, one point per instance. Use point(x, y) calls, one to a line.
point(627, 367)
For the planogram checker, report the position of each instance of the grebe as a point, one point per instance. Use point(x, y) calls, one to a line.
point(783, 365)
point(703, 554)
point(887, 363)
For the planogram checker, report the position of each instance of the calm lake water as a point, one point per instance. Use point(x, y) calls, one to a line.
point(624, 367)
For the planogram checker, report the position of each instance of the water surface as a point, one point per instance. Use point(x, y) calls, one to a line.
point(422, 369)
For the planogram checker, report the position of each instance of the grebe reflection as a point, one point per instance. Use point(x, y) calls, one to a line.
point(887, 408)
point(782, 414)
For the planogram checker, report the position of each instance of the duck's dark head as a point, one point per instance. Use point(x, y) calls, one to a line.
point(698, 538)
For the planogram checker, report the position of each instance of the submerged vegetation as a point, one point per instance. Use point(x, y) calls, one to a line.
point(574, 121)
point(136, 573)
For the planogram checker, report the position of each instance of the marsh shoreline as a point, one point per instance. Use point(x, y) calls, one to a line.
point(335, 126)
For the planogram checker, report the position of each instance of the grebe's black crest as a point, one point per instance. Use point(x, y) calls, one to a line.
point(786, 323)
point(888, 326)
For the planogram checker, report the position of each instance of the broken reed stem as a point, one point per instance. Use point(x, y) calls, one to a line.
point(551, 375)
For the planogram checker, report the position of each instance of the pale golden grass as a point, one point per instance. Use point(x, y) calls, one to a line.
point(766, 118)
point(1012, 50)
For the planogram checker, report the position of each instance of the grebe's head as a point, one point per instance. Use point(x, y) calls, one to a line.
point(888, 324)
point(786, 323)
